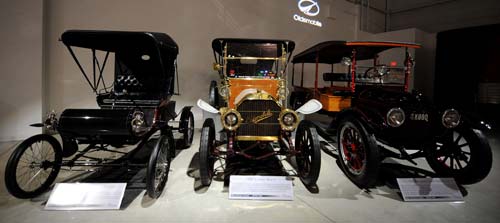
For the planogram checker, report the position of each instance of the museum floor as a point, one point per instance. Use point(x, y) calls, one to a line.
point(338, 200)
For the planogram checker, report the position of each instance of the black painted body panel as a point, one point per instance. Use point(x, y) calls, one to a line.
point(374, 103)
point(99, 125)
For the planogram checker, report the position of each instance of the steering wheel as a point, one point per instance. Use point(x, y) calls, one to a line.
point(376, 71)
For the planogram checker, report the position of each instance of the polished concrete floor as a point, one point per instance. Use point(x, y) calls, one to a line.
point(338, 199)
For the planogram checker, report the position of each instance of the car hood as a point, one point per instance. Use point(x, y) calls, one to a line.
point(383, 98)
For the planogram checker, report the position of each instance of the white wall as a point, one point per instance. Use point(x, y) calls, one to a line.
point(21, 64)
point(425, 65)
point(372, 15)
point(422, 78)
point(192, 24)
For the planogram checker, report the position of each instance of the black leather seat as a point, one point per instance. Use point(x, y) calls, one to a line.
point(111, 100)
point(343, 77)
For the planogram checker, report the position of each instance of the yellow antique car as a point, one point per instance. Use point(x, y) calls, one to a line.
point(250, 99)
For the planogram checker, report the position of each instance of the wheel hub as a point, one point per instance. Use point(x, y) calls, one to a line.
point(351, 152)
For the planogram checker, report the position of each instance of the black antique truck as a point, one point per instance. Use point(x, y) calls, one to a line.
point(133, 110)
point(374, 116)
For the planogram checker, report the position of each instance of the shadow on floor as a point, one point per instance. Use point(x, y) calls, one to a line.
point(390, 172)
point(271, 166)
point(134, 176)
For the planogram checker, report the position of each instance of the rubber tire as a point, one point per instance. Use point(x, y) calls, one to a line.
point(315, 153)
point(480, 159)
point(10, 169)
point(368, 177)
point(213, 95)
point(186, 118)
point(205, 152)
point(164, 143)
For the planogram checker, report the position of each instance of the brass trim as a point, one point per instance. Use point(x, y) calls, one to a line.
point(253, 58)
point(258, 96)
point(225, 112)
point(286, 127)
point(282, 86)
point(256, 79)
point(259, 118)
point(224, 84)
point(257, 138)
point(224, 63)
point(217, 67)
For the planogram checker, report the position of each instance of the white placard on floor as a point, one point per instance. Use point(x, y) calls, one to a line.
point(86, 196)
point(429, 189)
point(260, 188)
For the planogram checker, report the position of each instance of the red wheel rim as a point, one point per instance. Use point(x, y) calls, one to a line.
point(353, 150)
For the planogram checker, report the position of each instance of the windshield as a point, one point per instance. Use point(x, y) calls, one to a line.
point(253, 60)
point(389, 69)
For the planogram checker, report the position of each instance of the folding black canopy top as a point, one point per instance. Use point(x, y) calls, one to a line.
point(115, 41)
point(219, 43)
point(148, 56)
point(331, 52)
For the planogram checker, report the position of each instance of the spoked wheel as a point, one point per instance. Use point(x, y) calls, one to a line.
point(187, 127)
point(464, 154)
point(206, 153)
point(159, 165)
point(358, 153)
point(309, 157)
point(33, 166)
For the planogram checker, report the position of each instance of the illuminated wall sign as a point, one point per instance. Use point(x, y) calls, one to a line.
point(309, 8)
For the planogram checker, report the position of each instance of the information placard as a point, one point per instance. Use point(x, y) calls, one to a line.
point(86, 196)
point(429, 189)
point(260, 188)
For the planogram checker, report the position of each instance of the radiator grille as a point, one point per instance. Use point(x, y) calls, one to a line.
point(251, 110)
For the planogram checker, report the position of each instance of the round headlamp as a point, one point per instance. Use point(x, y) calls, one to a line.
point(231, 120)
point(288, 120)
point(451, 118)
point(138, 123)
point(395, 117)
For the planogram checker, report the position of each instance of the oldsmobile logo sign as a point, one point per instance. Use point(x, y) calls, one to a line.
point(309, 8)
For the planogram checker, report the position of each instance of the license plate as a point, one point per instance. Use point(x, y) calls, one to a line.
point(419, 117)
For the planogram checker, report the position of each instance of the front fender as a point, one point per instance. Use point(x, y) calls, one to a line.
point(206, 107)
point(472, 120)
point(368, 122)
point(310, 107)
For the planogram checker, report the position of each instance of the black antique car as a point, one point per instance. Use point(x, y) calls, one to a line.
point(134, 110)
point(250, 103)
point(375, 117)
